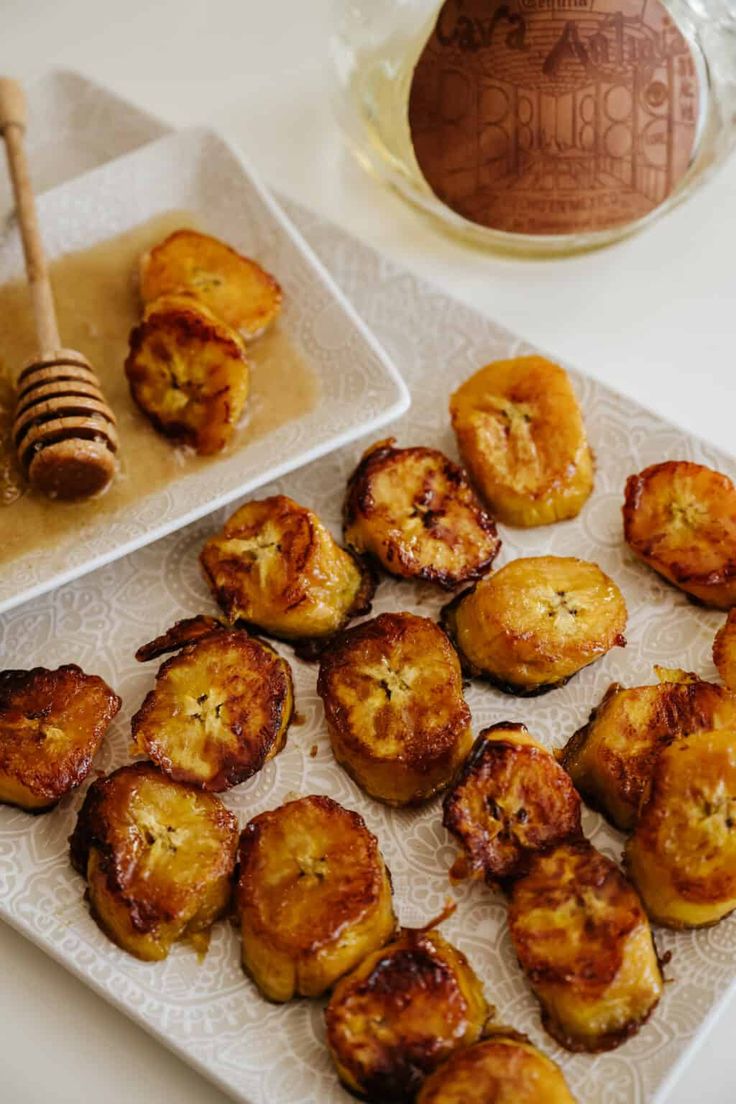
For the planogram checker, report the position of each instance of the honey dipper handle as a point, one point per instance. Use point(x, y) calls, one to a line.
point(12, 126)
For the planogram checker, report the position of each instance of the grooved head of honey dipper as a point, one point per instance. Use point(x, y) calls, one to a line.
point(72, 469)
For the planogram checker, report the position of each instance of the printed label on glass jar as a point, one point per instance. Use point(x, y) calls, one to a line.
point(554, 116)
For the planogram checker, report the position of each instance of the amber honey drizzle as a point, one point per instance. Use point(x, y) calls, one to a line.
point(97, 303)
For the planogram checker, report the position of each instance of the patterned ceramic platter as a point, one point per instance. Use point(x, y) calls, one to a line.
point(210, 1013)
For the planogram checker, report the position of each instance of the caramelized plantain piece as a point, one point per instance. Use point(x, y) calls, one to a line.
point(401, 1013)
point(682, 856)
point(158, 857)
point(510, 800)
point(392, 690)
point(611, 758)
point(724, 650)
point(51, 726)
point(233, 287)
point(276, 566)
point(583, 940)
point(680, 519)
point(187, 631)
point(502, 1069)
point(314, 897)
point(521, 436)
point(535, 623)
point(188, 372)
point(414, 511)
point(219, 711)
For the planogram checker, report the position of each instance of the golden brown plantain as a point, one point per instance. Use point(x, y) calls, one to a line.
point(401, 1013)
point(536, 622)
point(51, 726)
point(510, 800)
point(682, 856)
point(612, 757)
point(234, 287)
point(276, 566)
point(314, 897)
point(188, 372)
point(392, 690)
point(220, 709)
point(521, 436)
point(724, 650)
point(583, 940)
point(502, 1069)
point(158, 857)
point(414, 511)
point(680, 519)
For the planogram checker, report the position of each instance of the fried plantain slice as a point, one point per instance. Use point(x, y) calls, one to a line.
point(415, 512)
point(510, 800)
point(158, 857)
point(611, 758)
point(724, 650)
point(276, 566)
point(503, 1069)
point(680, 519)
point(401, 1013)
point(232, 286)
point(536, 622)
point(314, 897)
point(188, 373)
point(219, 710)
point(583, 940)
point(51, 726)
point(187, 631)
point(682, 855)
point(521, 436)
point(392, 690)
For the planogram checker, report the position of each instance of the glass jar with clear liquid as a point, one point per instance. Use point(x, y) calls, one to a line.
point(539, 126)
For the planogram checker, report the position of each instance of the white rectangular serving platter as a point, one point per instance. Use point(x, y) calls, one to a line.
point(209, 1013)
point(358, 389)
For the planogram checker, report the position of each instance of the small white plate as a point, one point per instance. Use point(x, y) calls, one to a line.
point(358, 389)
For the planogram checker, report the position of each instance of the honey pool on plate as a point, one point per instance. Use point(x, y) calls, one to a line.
point(98, 304)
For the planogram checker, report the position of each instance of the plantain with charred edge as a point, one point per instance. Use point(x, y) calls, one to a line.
point(393, 696)
point(276, 567)
point(187, 631)
point(314, 897)
point(415, 513)
point(533, 624)
point(680, 520)
point(521, 436)
point(402, 1012)
point(502, 1069)
point(188, 372)
point(682, 855)
point(51, 726)
point(158, 857)
point(511, 799)
point(611, 758)
point(724, 650)
point(233, 287)
point(583, 940)
point(220, 709)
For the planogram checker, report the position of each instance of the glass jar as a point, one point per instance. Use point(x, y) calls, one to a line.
point(539, 126)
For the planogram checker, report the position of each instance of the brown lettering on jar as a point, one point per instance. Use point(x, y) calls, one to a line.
point(554, 116)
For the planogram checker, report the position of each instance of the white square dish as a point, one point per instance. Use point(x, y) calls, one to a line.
point(357, 388)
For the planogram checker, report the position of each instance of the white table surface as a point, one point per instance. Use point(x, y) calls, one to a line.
point(655, 317)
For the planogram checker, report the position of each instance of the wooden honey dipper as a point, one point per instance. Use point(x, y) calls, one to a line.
point(63, 430)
